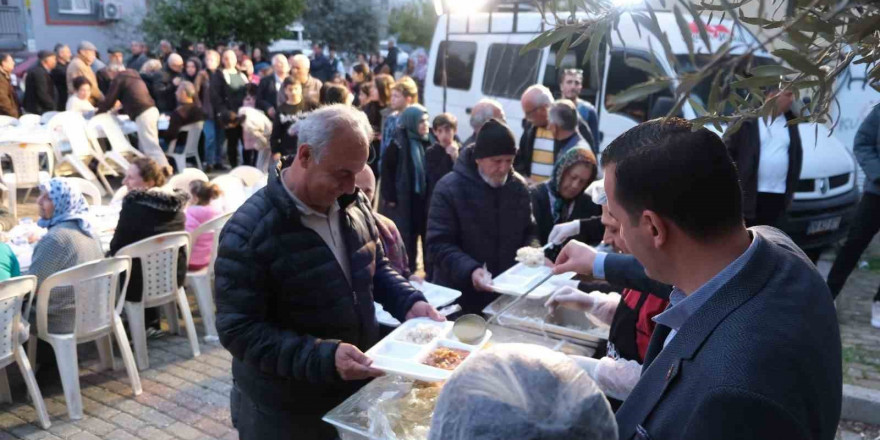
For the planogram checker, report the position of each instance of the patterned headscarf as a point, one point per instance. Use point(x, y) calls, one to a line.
point(566, 162)
point(70, 205)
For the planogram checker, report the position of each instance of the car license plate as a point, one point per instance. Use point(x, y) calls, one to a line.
point(825, 225)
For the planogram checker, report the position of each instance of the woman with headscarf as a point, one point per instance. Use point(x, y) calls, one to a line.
point(562, 198)
point(404, 182)
point(70, 241)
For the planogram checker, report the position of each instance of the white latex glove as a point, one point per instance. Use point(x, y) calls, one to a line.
point(563, 231)
point(617, 377)
point(601, 305)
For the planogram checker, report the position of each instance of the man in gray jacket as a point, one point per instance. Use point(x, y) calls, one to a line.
point(866, 147)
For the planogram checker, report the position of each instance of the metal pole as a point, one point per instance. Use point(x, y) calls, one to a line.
point(445, 54)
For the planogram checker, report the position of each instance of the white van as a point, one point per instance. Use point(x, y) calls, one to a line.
point(294, 41)
point(484, 59)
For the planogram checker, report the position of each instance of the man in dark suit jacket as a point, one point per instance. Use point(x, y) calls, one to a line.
point(40, 95)
point(267, 91)
point(749, 347)
point(59, 74)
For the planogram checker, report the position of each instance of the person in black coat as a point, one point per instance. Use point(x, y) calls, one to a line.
point(765, 201)
point(563, 197)
point(750, 321)
point(148, 210)
point(480, 215)
point(441, 156)
point(404, 186)
point(296, 292)
point(40, 95)
point(59, 74)
point(228, 87)
point(267, 91)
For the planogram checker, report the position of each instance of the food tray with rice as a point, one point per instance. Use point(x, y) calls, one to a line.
point(423, 349)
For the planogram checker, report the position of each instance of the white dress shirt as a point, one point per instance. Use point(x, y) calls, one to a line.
point(773, 162)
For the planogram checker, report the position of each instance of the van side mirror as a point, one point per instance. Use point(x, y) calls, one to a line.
point(661, 107)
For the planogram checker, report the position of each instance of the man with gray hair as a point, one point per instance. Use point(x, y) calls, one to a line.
point(298, 268)
point(267, 91)
point(537, 152)
point(563, 123)
point(300, 70)
point(483, 110)
point(165, 87)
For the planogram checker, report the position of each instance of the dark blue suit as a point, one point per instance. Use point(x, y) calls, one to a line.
point(759, 360)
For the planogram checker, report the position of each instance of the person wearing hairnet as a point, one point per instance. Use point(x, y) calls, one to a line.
point(629, 316)
point(523, 392)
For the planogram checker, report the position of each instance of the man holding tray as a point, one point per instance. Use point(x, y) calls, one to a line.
point(298, 269)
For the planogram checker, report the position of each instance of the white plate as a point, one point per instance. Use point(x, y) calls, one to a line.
point(520, 279)
point(437, 296)
point(393, 355)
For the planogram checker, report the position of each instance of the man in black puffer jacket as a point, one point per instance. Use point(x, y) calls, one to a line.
point(298, 269)
point(480, 214)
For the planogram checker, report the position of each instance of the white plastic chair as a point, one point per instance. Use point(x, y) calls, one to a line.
point(6, 121)
point(13, 334)
point(200, 280)
point(234, 193)
point(73, 127)
point(193, 134)
point(26, 172)
point(181, 181)
point(87, 189)
point(249, 175)
point(95, 287)
point(119, 195)
point(29, 120)
point(46, 117)
point(158, 256)
point(120, 147)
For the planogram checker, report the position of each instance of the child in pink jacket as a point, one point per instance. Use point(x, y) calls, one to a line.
point(199, 212)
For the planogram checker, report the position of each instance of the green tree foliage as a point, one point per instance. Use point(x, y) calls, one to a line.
point(816, 40)
point(414, 23)
point(255, 22)
point(349, 25)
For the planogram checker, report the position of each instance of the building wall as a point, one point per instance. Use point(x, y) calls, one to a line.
point(50, 26)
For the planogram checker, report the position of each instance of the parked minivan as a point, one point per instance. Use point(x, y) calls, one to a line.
point(484, 60)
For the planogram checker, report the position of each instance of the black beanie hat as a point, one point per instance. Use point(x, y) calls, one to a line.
point(494, 139)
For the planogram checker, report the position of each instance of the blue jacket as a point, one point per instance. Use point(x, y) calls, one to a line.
point(761, 359)
point(866, 147)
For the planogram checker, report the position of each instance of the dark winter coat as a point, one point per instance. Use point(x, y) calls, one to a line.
point(745, 148)
point(59, 78)
point(129, 89)
point(398, 187)
point(145, 214)
point(224, 101)
point(438, 163)
point(9, 105)
point(284, 304)
point(267, 95)
point(40, 94)
point(584, 209)
point(471, 224)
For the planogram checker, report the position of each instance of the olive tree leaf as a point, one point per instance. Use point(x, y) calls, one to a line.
point(774, 70)
point(798, 61)
point(639, 91)
point(563, 49)
point(698, 21)
point(685, 29)
point(644, 65)
point(548, 38)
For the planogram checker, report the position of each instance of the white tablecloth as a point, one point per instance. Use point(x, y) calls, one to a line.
point(105, 220)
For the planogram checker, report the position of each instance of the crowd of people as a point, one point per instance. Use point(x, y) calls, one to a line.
point(722, 327)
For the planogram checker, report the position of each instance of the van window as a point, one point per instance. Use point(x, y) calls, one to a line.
point(621, 77)
point(461, 64)
point(508, 74)
point(574, 59)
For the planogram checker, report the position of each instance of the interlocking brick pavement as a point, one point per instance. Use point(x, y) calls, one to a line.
point(184, 397)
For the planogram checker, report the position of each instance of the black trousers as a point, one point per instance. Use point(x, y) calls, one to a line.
point(260, 422)
point(233, 136)
point(864, 227)
point(249, 157)
point(769, 209)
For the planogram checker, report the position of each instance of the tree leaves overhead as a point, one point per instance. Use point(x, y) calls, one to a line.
point(255, 22)
point(413, 23)
point(813, 44)
point(349, 25)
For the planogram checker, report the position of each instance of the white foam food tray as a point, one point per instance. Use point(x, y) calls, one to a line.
point(521, 279)
point(395, 355)
point(437, 296)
